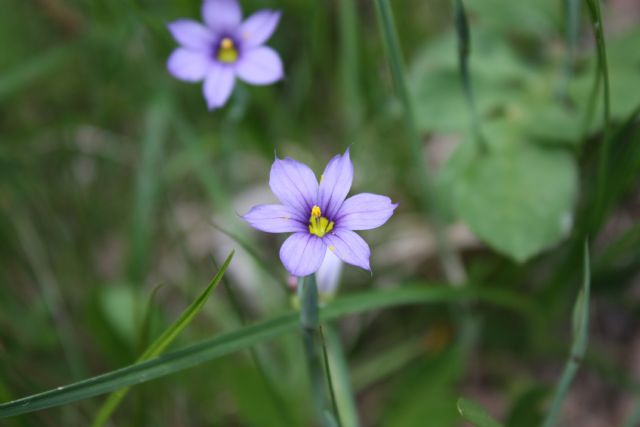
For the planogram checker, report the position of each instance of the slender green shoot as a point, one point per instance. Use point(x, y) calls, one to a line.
point(578, 347)
point(464, 50)
point(449, 258)
point(162, 342)
point(476, 414)
point(347, 410)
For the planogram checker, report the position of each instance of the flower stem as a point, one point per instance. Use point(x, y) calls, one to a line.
point(310, 325)
point(449, 258)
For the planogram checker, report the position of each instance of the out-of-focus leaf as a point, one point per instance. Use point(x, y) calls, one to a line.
point(476, 414)
point(518, 197)
point(526, 411)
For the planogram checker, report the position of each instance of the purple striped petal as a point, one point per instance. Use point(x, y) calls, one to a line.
point(260, 66)
point(192, 34)
point(294, 184)
point(276, 219)
point(349, 247)
point(258, 27)
point(302, 254)
point(189, 65)
point(218, 85)
point(364, 212)
point(221, 15)
point(335, 183)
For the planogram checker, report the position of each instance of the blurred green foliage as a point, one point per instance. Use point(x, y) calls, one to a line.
point(111, 173)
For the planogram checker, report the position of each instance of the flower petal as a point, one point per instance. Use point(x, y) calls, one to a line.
point(189, 65)
point(221, 15)
point(258, 27)
point(294, 184)
point(328, 275)
point(364, 212)
point(191, 34)
point(302, 254)
point(260, 66)
point(276, 219)
point(218, 85)
point(335, 183)
point(349, 247)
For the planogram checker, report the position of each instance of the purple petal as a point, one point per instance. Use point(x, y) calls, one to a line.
point(364, 212)
point(218, 85)
point(276, 219)
point(258, 27)
point(221, 15)
point(189, 65)
point(349, 247)
point(335, 183)
point(191, 34)
point(302, 254)
point(328, 275)
point(260, 66)
point(294, 184)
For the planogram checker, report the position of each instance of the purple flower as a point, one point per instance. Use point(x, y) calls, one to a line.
point(319, 216)
point(225, 48)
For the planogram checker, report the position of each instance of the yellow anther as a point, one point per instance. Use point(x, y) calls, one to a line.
point(227, 51)
point(226, 43)
point(318, 224)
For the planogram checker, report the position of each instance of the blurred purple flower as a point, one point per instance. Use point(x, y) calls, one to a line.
point(225, 48)
point(318, 215)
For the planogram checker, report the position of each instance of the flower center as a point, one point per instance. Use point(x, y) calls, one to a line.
point(227, 51)
point(318, 224)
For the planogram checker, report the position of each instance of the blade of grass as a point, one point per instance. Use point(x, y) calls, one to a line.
point(147, 187)
point(349, 55)
point(605, 146)
point(464, 49)
point(161, 343)
point(449, 258)
point(228, 343)
point(578, 347)
point(475, 414)
point(346, 408)
point(572, 31)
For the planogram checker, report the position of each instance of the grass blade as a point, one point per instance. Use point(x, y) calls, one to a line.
point(161, 343)
point(475, 414)
point(578, 347)
point(228, 343)
point(449, 258)
point(346, 408)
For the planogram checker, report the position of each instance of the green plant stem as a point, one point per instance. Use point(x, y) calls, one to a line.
point(329, 376)
point(464, 49)
point(578, 347)
point(309, 325)
point(449, 258)
point(605, 149)
point(572, 30)
point(347, 409)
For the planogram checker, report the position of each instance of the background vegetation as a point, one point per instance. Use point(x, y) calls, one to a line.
point(120, 194)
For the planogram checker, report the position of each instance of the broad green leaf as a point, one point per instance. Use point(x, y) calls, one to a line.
point(160, 344)
point(476, 414)
point(245, 337)
point(518, 197)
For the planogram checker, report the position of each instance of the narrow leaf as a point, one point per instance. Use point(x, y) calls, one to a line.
point(245, 337)
point(161, 343)
point(578, 347)
point(476, 414)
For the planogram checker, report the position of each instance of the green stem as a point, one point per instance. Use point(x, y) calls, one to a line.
point(464, 49)
point(309, 325)
point(329, 376)
point(603, 163)
point(347, 409)
point(449, 258)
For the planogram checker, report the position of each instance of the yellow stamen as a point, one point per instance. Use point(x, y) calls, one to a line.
point(227, 51)
point(319, 225)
